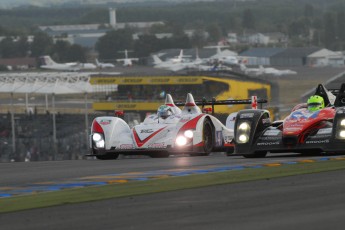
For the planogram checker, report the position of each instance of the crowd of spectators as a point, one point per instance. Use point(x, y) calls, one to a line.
point(34, 139)
point(157, 93)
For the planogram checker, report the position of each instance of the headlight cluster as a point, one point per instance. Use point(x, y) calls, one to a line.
point(341, 129)
point(243, 132)
point(98, 139)
point(184, 138)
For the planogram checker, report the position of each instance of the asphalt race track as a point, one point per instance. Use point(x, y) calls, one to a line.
point(311, 201)
point(20, 173)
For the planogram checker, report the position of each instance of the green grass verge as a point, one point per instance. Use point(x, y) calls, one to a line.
point(77, 195)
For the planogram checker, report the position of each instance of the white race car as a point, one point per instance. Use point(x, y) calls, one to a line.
point(170, 131)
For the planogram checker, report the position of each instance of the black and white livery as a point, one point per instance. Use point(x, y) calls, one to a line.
point(302, 131)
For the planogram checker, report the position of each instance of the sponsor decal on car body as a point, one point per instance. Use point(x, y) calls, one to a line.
point(266, 121)
point(191, 124)
point(303, 114)
point(227, 139)
point(219, 138)
point(140, 142)
point(184, 120)
point(270, 138)
point(157, 146)
point(324, 131)
point(146, 131)
point(105, 122)
point(293, 129)
point(247, 115)
point(272, 132)
point(268, 143)
point(317, 142)
point(126, 146)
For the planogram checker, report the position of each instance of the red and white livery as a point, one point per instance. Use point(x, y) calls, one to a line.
point(187, 130)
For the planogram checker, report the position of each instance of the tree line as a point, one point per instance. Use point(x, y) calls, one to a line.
point(306, 22)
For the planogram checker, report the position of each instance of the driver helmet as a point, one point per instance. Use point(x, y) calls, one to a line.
point(164, 111)
point(315, 103)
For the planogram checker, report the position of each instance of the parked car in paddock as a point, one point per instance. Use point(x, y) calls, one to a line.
point(189, 130)
point(309, 128)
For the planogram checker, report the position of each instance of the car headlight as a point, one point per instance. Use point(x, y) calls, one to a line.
point(181, 140)
point(188, 133)
point(342, 134)
point(100, 144)
point(243, 138)
point(98, 140)
point(342, 122)
point(340, 129)
point(96, 137)
point(244, 126)
point(243, 132)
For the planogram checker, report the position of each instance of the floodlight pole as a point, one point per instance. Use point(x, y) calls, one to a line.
point(26, 103)
point(46, 98)
point(13, 127)
point(86, 121)
point(54, 127)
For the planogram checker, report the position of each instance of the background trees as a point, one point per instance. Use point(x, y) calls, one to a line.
point(307, 23)
point(41, 44)
point(11, 48)
point(248, 20)
point(114, 41)
point(63, 51)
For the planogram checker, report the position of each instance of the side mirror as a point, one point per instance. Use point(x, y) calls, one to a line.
point(207, 110)
point(119, 113)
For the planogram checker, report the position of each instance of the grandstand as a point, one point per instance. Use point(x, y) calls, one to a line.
point(142, 94)
point(23, 127)
point(58, 129)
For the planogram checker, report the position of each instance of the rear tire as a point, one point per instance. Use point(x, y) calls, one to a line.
point(207, 136)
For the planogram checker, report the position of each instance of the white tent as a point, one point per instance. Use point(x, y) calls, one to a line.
point(53, 83)
point(325, 57)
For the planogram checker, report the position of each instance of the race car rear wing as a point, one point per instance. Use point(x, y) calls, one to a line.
point(327, 95)
point(340, 96)
point(332, 97)
point(254, 101)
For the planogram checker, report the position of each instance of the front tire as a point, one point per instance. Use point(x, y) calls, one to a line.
point(159, 155)
point(109, 156)
point(230, 151)
point(259, 154)
point(198, 154)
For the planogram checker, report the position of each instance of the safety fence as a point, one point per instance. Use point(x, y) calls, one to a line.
point(34, 137)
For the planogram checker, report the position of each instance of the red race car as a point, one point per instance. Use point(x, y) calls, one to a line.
point(312, 128)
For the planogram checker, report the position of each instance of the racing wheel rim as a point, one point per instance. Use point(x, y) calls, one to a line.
point(207, 137)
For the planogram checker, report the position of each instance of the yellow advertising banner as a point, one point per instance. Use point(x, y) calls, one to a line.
point(163, 80)
point(152, 106)
point(134, 106)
